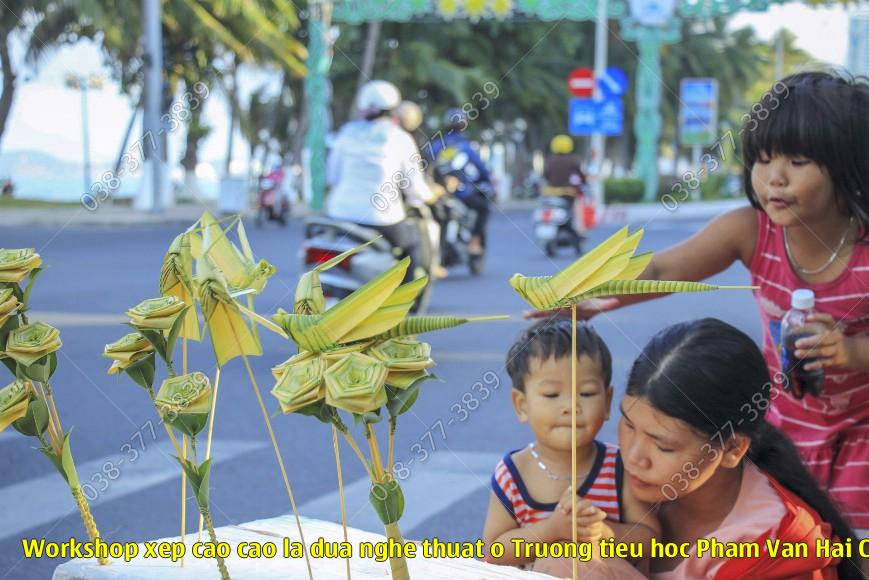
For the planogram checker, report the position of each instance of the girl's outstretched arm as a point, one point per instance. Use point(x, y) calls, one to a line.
point(713, 249)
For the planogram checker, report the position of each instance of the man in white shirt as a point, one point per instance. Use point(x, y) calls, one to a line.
point(374, 168)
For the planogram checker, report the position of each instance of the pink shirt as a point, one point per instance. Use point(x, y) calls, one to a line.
point(845, 399)
point(757, 510)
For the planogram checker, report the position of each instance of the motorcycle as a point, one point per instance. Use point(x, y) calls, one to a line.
point(272, 204)
point(326, 238)
point(456, 236)
point(457, 218)
point(554, 224)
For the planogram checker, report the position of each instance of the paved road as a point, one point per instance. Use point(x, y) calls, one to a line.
point(94, 274)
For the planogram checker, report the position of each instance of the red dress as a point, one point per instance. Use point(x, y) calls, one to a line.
point(801, 524)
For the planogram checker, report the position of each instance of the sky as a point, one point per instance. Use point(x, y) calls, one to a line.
point(47, 116)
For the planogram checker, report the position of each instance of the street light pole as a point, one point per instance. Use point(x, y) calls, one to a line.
point(153, 95)
point(83, 83)
point(600, 60)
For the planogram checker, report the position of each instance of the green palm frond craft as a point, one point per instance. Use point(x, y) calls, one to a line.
point(610, 269)
point(360, 356)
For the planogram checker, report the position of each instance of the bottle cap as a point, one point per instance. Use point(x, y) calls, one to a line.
point(803, 299)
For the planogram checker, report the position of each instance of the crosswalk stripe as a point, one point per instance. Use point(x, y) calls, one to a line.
point(43, 499)
point(462, 473)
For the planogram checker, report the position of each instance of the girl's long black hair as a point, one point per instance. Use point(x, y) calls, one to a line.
point(704, 373)
point(823, 117)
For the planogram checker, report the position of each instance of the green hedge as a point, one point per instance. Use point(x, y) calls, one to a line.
point(623, 190)
point(630, 189)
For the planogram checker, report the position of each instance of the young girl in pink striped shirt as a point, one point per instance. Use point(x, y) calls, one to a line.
point(531, 498)
point(806, 155)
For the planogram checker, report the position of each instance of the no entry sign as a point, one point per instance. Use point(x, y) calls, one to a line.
point(580, 82)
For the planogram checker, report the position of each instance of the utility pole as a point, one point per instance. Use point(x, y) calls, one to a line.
point(598, 141)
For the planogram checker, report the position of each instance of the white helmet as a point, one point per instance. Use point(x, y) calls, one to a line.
point(377, 96)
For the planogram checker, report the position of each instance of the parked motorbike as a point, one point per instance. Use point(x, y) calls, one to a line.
point(272, 204)
point(554, 224)
point(326, 238)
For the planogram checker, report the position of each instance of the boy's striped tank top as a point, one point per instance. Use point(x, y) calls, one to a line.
point(602, 486)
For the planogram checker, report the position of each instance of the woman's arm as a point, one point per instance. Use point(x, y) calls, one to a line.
point(501, 527)
point(640, 524)
point(713, 249)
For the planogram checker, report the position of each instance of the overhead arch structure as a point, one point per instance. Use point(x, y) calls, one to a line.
point(638, 24)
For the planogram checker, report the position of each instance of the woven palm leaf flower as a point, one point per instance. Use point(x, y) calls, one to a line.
point(31, 342)
point(610, 269)
point(16, 264)
point(404, 354)
point(156, 313)
point(176, 279)
point(356, 383)
point(300, 383)
point(406, 359)
point(278, 371)
point(14, 399)
point(127, 350)
point(8, 304)
point(184, 402)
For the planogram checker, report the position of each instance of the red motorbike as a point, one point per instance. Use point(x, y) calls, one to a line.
point(273, 205)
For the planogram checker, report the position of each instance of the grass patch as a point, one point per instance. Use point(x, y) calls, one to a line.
point(6, 202)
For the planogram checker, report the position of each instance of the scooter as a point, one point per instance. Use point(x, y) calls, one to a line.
point(457, 235)
point(326, 238)
point(272, 204)
point(554, 221)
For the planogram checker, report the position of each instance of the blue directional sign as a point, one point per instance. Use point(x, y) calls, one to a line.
point(587, 116)
point(582, 116)
point(613, 83)
point(611, 116)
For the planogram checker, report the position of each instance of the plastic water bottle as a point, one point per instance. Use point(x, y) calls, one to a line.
point(795, 326)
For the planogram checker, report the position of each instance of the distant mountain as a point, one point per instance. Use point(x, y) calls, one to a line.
point(22, 164)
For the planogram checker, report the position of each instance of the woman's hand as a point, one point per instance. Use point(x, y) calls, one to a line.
point(830, 346)
point(585, 310)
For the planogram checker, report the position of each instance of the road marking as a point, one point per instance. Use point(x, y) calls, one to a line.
point(462, 472)
point(77, 318)
point(44, 499)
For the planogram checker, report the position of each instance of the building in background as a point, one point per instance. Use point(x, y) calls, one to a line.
point(858, 41)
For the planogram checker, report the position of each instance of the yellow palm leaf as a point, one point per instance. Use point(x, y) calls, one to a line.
point(230, 335)
point(635, 267)
point(309, 297)
point(353, 310)
point(379, 322)
point(407, 292)
point(568, 279)
point(176, 279)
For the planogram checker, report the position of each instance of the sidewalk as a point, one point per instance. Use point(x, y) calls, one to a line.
point(76, 216)
point(57, 217)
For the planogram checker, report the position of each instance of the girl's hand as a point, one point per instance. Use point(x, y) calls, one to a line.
point(585, 310)
point(830, 346)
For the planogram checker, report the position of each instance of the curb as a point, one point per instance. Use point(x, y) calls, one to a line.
point(113, 216)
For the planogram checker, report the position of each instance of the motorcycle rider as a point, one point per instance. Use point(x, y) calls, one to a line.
point(564, 177)
point(409, 116)
point(474, 182)
point(372, 163)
